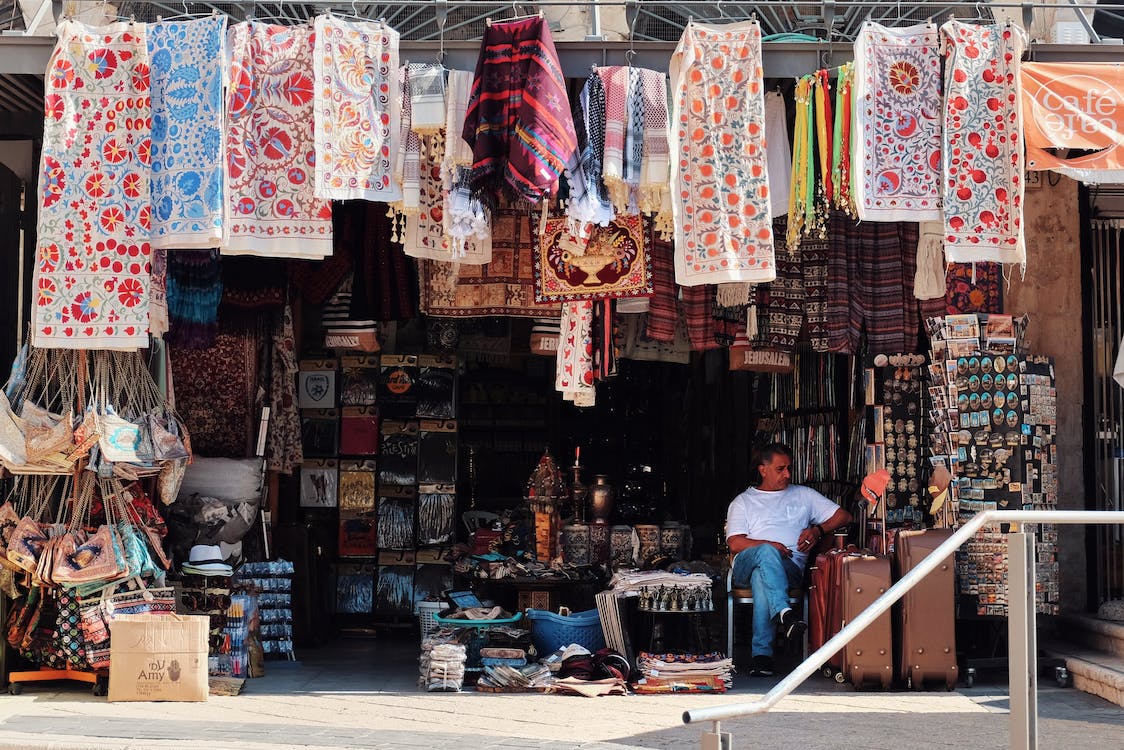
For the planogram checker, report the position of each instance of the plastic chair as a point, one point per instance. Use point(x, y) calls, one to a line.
point(797, 597)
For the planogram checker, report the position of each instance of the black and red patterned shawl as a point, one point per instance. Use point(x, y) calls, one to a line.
point(518, 121)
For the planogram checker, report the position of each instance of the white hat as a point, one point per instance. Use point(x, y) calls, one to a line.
point(206, 559)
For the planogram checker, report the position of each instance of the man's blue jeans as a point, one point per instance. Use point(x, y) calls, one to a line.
point(770, 575)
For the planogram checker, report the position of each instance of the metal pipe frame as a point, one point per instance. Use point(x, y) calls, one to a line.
point(1018, 682)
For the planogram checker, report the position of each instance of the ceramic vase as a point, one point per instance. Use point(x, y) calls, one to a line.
point(601, 498)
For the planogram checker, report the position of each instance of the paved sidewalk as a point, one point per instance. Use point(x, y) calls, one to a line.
point(365, 698)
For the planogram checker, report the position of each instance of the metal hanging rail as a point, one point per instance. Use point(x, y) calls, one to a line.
point(1022, 637)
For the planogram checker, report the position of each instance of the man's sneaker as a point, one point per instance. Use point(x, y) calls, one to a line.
point(791, 626)
point(762, 666)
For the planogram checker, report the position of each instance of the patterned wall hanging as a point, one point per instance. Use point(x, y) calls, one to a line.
point(983, 150)
point(504, 286)
point(187, 127)
point(270, 156)
point(92, 269)
point(719, 178)
point(356, 69)
point(614, 262)
point(897, 94)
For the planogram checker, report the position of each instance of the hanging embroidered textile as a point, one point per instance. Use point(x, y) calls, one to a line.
point(897, 144)
point(574, 376)
point(1074, 106)
point(614, 262)
point(92, 270)
point(283, 449)
point(720, 180)
point(271, 157)
point(973, 288)
point(356, 107)
point(187, 127)
point(518, 121)
point(505, 286)
point(983, 149)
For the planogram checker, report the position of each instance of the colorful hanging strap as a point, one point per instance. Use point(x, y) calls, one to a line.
point(841, 146)
point(824, 133)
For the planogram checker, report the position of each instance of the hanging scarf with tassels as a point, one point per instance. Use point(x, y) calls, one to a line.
point(526, 146)
point(802, 197)
point(465, 219)
point(589, 200)
point(427, 98)
point(824, 135)
point(634, 140)
point(655, 174)
point(841, 141)
point(407, 168)
point(614, 81)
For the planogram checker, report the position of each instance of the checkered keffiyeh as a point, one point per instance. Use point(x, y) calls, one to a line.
point(614, 80)
point(589, 200)
point(656, 166)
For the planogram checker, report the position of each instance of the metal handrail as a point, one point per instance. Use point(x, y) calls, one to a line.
point(819, 657)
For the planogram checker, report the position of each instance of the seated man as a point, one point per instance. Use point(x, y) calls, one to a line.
point(771, 528)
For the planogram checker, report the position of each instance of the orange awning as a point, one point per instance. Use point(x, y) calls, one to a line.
point(1075, 106)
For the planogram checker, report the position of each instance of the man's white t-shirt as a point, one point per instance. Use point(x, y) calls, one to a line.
point(778, 516)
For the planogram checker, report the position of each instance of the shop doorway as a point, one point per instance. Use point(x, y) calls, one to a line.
point(1105, 297)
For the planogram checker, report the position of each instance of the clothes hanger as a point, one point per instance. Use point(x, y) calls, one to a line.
point(516, 17)
point(187, 15)
point(442, 17)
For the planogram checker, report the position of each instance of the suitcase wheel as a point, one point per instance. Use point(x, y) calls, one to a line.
point(840, 677)
point(827, 672)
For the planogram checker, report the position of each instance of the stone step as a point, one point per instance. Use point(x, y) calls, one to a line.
point(1100, 635)
point(1094, 672)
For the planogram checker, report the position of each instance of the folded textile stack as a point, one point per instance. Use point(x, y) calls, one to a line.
point(589, 688)
point(505, 657)
point(528, 677)
point(684, 673)
point(630, 582)
point(508, 638)
point(442, 665)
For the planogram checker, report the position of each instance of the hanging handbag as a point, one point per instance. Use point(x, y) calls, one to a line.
point(166, 442)
point(45, 433)
point(26, 544)
point(13, 444)
point(9, 519)
point(118, 438)
point(22, 615)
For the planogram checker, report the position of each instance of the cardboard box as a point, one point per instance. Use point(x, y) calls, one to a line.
point(158, 658)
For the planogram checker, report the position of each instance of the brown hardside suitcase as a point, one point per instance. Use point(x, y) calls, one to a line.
point(824, 615)
point(925, 617)
point(869, 657)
